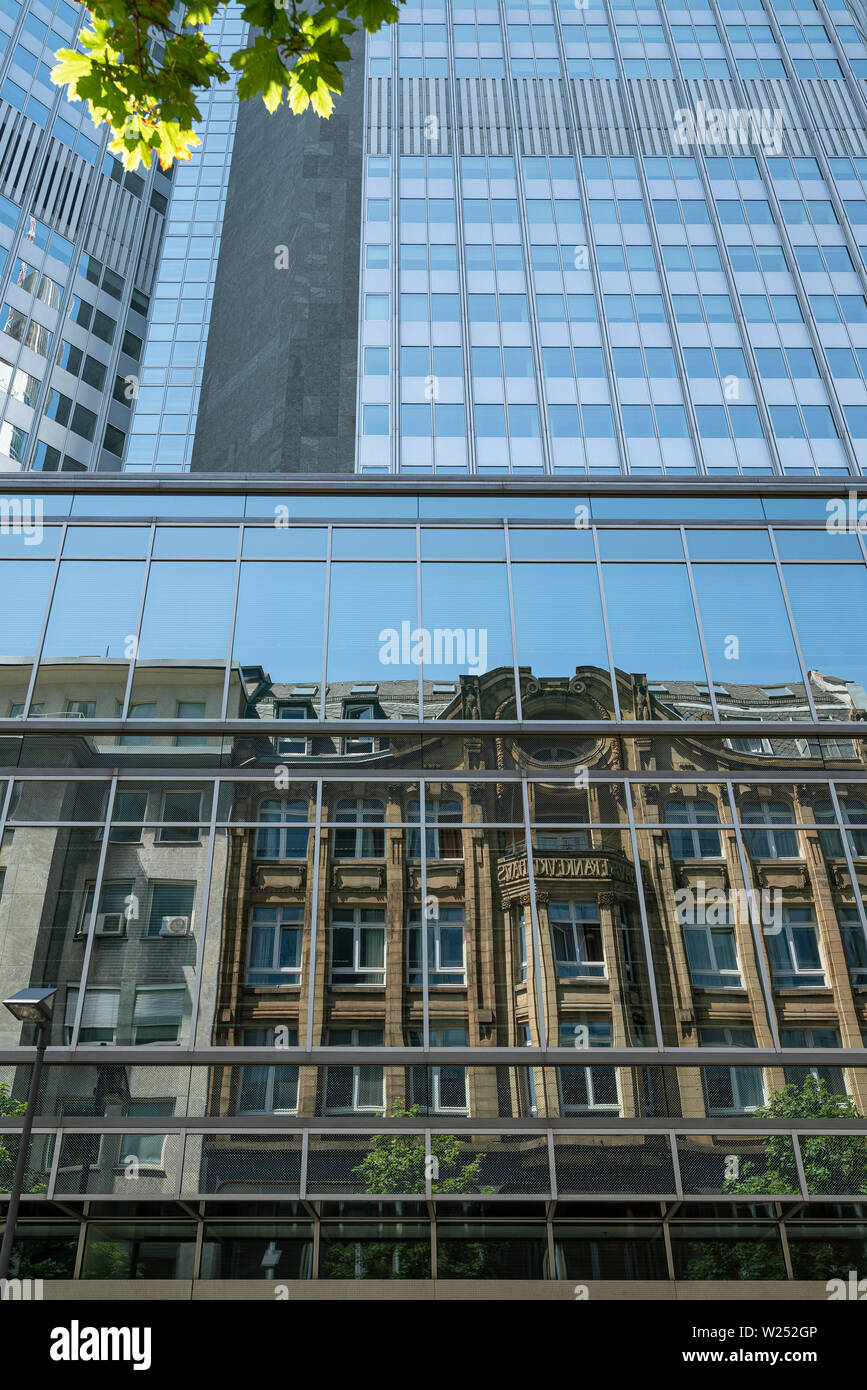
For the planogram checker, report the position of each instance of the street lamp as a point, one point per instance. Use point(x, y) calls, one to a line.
point(30, 1006)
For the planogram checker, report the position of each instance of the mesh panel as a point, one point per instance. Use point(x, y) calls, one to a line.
point(835, 1164)
point(491, 1163)
point(629, 1164)
point(228, 1165)
point(377, 1163)
point(133, 1164)
point(167, 1091)
point(14, 1088)
point(728, 1163)
point(38, 1162)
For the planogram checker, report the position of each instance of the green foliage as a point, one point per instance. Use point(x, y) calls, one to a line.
point(737, 1259)
point(107, 1259)
point(395, 1163)
point(143, 77)
point(833, 1163)
point(33, 1182)
point(376, 1259)
point(46, 1258)
point(464, 1259)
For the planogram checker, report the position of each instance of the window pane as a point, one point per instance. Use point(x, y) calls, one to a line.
point(278, 628)
point(558, 621)
point(90, 637)
point(653, 628)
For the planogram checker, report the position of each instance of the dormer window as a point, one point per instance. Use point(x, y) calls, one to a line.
point(354, 710)
point(298, 744)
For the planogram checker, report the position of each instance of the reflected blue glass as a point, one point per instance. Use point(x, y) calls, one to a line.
point(746, 630)
point(21, 619)
point(558, 619)
point(34, 543)
point(574, 544)
point(729, 545)
point(458, 543)
point(52, 504)
point(194, 542)
point(127, 542)
point(94, 611)
point(285, 542)
point(187, 611)
point(677, 509)
point(288, 649)
point(366, 602)
point(818, 545)
point(373, 543)
point(652, 621)
point(151, 504)
point(640, 545)
point(471, 601)
point(829, 608)
point(795, 508)
point(541, 508)
point(379, 504)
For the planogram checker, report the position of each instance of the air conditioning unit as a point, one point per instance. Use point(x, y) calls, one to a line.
point(175, 926)
point(110, 924)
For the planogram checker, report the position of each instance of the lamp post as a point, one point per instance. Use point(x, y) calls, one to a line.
point(30, 1006)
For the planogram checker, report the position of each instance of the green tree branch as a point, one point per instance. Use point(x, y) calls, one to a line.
point(148, 95)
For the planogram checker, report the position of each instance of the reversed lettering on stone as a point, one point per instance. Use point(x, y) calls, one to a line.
point(515, 870)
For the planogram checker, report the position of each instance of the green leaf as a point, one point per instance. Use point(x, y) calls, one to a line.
point(373, 13)
point(71, 67)
point(262, 73)
point(151, 105)
point(198, 12)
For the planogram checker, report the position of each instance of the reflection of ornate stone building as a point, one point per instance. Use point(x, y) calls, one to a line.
point(565, 930)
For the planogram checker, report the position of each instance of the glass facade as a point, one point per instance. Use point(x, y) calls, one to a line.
point(166, 407)
point(342, 812)
point(614, 238)
point(326, 935)
point(79, 244)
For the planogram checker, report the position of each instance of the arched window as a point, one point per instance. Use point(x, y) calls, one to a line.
point(446, 952)
point(854, 811)
point(287, 832)
point(360, 833)
point(694, 842)
point(795, 953)
point(576, 936)
point(441, 839)
point(770, 844)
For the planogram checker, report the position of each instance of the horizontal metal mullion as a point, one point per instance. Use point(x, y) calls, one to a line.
point(707, 728)
point(588, 1125)
point(231, 776)
point(438, 1057)
point(68, 1200)
point(284, 485)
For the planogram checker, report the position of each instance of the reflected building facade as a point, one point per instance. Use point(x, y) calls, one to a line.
point(449, 851)
point(80, 243)
point(435, 901)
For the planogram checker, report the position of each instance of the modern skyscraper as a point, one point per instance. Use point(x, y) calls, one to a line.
point(80, 243)
point(348, 811)
point(594, 239)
